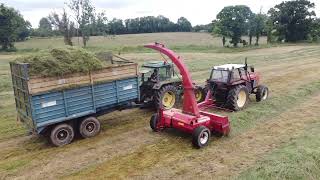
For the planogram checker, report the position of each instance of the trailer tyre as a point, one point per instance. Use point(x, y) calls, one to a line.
point(153, 122)
point(201, 137)
point(89, 127)
point(262, 93)
point(61, 135)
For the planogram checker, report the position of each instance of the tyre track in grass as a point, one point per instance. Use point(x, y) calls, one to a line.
point(50, 162)
point(73, 159)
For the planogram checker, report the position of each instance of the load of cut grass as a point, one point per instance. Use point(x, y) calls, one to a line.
point(61, 61)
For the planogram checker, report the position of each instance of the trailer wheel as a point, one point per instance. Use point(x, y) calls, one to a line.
point(262, 93)
point(238, 98)
point(89, 127)
point(153, 122)
point(61, 135)
point(201, 136)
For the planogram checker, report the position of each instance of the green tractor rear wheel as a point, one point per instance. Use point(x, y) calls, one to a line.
point(166, 97)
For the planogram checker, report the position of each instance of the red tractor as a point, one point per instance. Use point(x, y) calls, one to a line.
point(190, 119)
point(231, 84)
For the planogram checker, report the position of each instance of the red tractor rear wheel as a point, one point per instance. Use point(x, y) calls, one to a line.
point(238, 98)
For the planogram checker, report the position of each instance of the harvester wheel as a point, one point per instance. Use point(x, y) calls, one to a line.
point(153, 122)
point(89, 127)
point(262, 93)
point(200, 94)
point(238, 98)
point(61, 135)
point(166, 97)
point(201, 136)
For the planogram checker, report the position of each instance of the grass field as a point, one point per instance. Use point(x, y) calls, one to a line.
point(275, 139)
point(133, 42)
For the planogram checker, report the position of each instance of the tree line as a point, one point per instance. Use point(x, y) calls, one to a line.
point(289, 21)
point(100, 26)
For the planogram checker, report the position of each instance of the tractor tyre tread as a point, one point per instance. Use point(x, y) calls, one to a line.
point(159, 94)
point(203, 93)
point(231, 101)
point(153, 122)
point(259, 93)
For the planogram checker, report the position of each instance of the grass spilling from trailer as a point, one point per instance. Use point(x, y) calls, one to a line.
point(61, 61)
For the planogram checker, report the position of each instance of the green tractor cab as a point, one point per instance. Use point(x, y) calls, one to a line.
point(161, 85)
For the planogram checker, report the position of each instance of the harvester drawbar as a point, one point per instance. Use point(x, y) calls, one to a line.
point(190, 119)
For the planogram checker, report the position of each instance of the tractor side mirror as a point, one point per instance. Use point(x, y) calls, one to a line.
point(252, 69)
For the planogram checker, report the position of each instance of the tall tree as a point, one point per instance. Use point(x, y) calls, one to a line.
point(315, 31)
point(84, 14)
point(101, 24)
point(257, 25)
point(45, 27)
point(116, 26)
point(220, 30)
point(184, 25)
point(293, 19)
point(232, 22)
point(12, 27)
point(64, 25)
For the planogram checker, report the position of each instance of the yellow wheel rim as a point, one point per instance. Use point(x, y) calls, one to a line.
point(168, 100)
point(198, 95)
point(242, 99)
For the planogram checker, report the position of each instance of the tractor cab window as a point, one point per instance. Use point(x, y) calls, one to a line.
point(220, 75)
point(147, 73)
point(164, 73)
point(243, 73)
point(235, 75)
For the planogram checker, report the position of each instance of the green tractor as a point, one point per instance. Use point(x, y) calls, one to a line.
point(161, 85)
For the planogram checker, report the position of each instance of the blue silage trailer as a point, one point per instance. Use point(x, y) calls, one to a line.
point(59, 106)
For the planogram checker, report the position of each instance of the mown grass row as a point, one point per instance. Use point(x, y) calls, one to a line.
point(299, 159)
point(177, 146)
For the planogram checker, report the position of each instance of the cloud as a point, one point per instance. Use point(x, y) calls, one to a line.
point(198, 12)
point(114, 4)
point(31, 5)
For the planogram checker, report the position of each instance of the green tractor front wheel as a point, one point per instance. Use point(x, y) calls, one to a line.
point(166, 97)
point(200, 94)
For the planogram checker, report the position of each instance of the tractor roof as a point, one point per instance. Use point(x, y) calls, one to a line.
point(156, 64)
point(229, 66)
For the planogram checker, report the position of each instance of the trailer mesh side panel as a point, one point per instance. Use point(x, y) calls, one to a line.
point(19, 73)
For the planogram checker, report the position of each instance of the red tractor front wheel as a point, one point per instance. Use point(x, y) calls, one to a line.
point(262, 93)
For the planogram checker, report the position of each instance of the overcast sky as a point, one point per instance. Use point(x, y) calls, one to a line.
point(196, 11)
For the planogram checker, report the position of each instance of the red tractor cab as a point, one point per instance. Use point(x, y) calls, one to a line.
point(190, 118)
